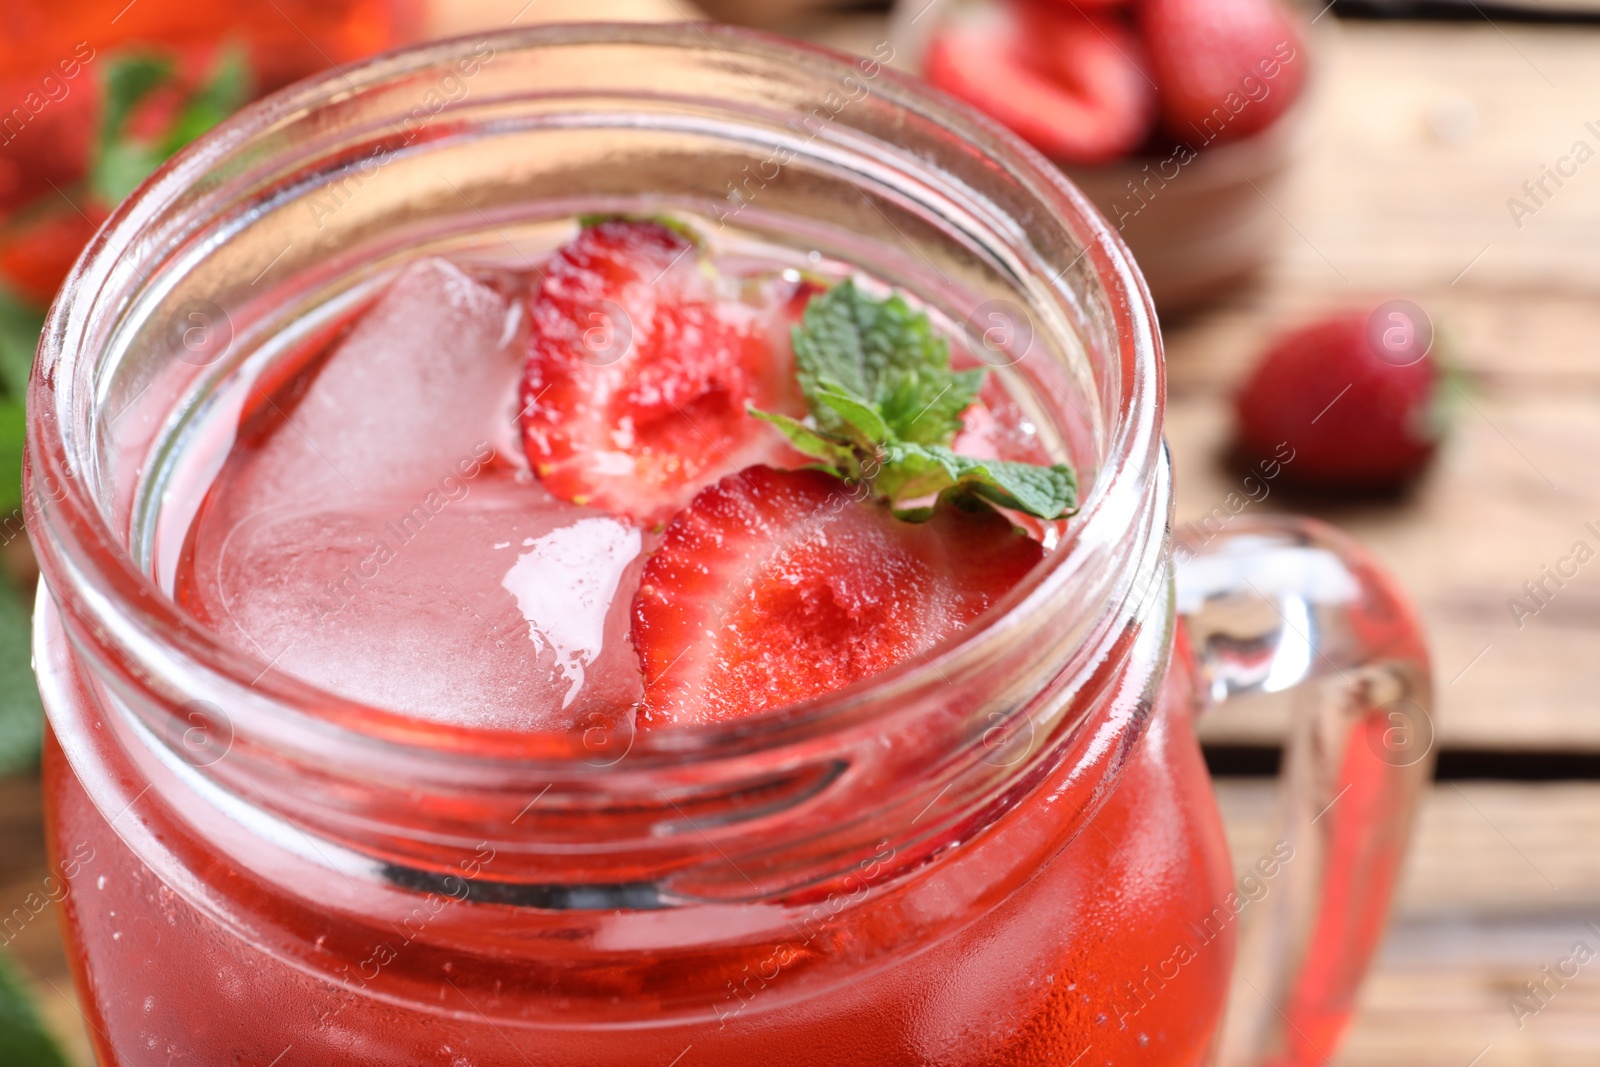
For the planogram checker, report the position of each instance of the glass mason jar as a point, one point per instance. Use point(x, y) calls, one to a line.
point(1007, 852)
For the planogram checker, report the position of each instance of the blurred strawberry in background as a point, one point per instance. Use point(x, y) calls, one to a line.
point(1176, 117)
point(94, 95)
point(1090, 81)
point(1358, 398)
point(1224, 68)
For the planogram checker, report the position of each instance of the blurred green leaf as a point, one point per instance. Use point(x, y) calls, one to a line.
point(21, 714)
point(122, 162)
point(24, 1042)
point(225, 92)
point(120, 167)
point(19, 338)
point(13, 431)
point(130, 77)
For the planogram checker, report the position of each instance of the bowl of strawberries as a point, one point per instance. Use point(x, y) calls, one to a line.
point(1178, 118)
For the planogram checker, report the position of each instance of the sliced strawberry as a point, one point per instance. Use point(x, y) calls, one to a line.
point(640, 368)
point(776, 586)
point(1070, 83)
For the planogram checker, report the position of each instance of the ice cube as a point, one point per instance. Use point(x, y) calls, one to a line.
point(564, 585)
point(424, 377)
point(383, 539)
point(442, 617)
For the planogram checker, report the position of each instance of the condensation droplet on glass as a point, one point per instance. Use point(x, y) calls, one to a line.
point(814, 256)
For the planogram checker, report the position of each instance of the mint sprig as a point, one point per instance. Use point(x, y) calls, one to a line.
point(885, 405)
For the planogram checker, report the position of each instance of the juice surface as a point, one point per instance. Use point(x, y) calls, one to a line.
point(376, 529)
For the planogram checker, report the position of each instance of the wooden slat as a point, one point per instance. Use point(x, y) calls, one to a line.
point(1501, 882)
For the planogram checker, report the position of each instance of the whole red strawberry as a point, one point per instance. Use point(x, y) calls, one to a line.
point(1338, 409)
point(1224, 69)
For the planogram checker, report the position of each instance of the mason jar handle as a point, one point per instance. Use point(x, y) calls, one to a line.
point(1293, 607)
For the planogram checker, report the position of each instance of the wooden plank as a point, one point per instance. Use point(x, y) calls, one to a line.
point(1500, 883)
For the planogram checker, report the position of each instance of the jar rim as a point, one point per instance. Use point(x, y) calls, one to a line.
point(94, 575)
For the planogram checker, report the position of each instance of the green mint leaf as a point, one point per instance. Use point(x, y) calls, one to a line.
point(912, 471)
point(805, 439)
point(121, 162)
point(20, 326)
point(21, 714)
point(885, 407)
point(1044, 492)
point(882, 352)
point(23, 1038)
point(926, 408)
point(860, 421)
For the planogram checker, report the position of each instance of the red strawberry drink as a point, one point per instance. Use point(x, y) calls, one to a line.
point(583, 498)
point(601, 630)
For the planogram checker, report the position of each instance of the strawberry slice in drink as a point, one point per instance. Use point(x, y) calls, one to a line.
point(641, 363)
point(773, 587)
point(1070, 83)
